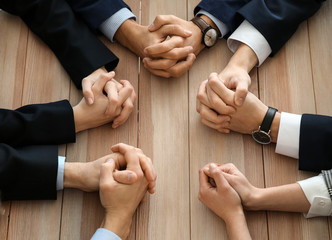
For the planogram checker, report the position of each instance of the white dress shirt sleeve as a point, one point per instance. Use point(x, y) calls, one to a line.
point(61, 167)
point(104, 234)
point(316, 192)
point(288, 142)
point(223, 29)
point(249, 35)
point(112, 24)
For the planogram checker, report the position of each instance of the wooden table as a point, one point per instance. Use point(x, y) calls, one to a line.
point(166, 126)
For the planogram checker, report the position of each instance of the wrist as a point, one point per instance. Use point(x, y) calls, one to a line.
point(130, 34)
point(196, 38)
point(235, 215)
point(210, 22)
point(275, 127)
point(244, 57)
point(118, 224)
point(71, 175)
point(253, 200)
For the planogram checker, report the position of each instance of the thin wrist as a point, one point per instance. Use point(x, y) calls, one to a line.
point(71, 175)
point(244, 57)
point(235, 216)
point(128, 35)
point(253, 201)
point(118, 224)
point(210, 22)
point(197, 35)
point(275, 127)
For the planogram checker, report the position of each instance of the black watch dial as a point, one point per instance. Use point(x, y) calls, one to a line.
point(210, 37)
point(261, 137)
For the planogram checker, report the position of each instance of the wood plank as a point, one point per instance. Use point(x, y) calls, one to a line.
point(13, 42)
point(286, 83)
point(320, 37)
point(45, 80)
point(163, 135)
point(208, 145)
point(82, 213)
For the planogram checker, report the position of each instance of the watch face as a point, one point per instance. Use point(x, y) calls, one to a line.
point(261, 137)
point(210, 37)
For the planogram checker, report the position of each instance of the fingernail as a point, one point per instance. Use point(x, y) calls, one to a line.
point(112, 72)
point(239, 101)
point(187, 32)
point(130, 177)
point(110, 160)
point(90, 100)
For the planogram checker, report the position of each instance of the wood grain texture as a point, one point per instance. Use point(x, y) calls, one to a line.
point(320, 37)
point(163, 135)
point(12, 65)
point(82, 213)
point(44, 81)
point(208, 145)
point(286, 83)
point(167, 127)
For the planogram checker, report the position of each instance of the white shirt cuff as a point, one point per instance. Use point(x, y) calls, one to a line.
point(288, 142)
point(61, 168)
point(316, 192)
point(112, 24)
point(249, 35)
point(104, 234)
point(223, 29)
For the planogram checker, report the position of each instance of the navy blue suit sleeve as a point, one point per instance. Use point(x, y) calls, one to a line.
point(45, 124)
point(225, 11)
point(276, 20)
point(315, 153)
point(95, 12)
point(28, 173)
point(75, 45)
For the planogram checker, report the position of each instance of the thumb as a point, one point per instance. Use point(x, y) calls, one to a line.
point(241, 92)
point(87, 91)
point(218, 176)
point(106, 172)
point(125, 177)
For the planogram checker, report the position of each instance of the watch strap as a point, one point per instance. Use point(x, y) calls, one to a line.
point(201, 23)
point(268, 119)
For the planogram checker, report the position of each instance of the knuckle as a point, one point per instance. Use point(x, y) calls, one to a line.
point(105, 186)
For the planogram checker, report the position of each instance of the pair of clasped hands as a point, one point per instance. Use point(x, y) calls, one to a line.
point(218, 99)
point(168, 48)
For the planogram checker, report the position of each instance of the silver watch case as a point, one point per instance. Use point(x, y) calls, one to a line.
point(261, 136)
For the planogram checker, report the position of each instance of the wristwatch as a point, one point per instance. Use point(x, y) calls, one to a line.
point(262, 134)
point(210, 34)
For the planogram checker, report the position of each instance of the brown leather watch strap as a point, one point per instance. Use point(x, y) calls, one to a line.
point(200, 23)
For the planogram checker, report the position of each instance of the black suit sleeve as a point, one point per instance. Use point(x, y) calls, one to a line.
point(276, 20)
point(28, 173)
point(77, 48)
point(95, 12)
point(315, 151)
point(38, 124)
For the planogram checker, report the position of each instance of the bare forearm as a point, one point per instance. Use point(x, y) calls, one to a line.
point(288, 198)
point(244, 57)
point(237, 228)
point(117, 224)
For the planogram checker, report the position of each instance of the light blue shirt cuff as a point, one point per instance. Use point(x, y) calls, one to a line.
point(104, 234)
point(61, 168)
point(221, 26)
point(112, 24)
